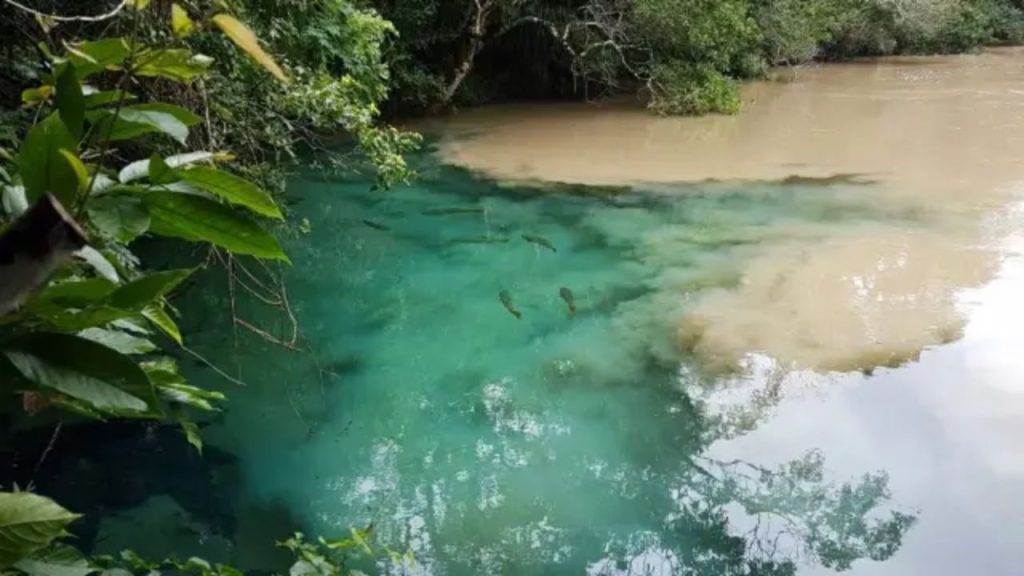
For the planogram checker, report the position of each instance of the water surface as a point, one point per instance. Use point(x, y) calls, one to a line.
point(794, 348)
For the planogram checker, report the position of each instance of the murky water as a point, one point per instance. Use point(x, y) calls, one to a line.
point(794, 350)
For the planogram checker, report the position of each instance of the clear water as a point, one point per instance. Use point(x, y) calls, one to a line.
point(760, 378)
point(556, 443)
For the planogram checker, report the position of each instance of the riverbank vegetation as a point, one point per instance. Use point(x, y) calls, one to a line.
point(682, 56)
point(174, 119)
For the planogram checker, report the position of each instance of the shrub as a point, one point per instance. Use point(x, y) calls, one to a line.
point(683, 88)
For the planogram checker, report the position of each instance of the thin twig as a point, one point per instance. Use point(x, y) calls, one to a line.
point(213, 367)
point(97, 18)
point(46, 452)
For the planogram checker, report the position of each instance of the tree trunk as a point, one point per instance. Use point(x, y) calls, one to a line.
point(484, 8)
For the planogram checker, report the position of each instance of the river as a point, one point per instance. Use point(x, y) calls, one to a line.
point(796, 344)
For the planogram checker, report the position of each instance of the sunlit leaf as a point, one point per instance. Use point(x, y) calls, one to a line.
point(14, 200)
point(141, 168)
point(159, 317)
point(244, 38)
point(81, 174)
point(41, 165)
point(70, 100)
point(28, 522)
point(104, 378)
point(175, 64)
point(181, 24)
point(192, 434)
point(232, 188)
point(36, 95)
point(201, 220)
point(98, 262)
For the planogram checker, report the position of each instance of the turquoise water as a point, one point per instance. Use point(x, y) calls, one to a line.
point(554, 443)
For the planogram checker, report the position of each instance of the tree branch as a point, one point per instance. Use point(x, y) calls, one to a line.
point(57, 17)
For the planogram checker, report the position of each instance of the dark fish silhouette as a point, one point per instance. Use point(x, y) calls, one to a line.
point(506, 300)
point(453, 210)
point(540, 241)
point(567, 295)
point(376, 225)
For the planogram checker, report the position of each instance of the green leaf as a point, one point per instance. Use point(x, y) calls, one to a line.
point(159, 171)
point(36, 95)
point(28, 522)
point(70, 100)
point(192, 434)
point(121, 341)
point(132, 122)
point(244, 38)
point(201, 220)
point(140, 293)
point(58, 560)
point(106, 98)
point(76, 320)
point(142, 168)
point(104, 378)
point(159, 317)
point(98, 262)
point(41, 165)
point(123, 218)
point(183, 115)
point(97, 55)
point(176, 64)
point(183, 393)
point(81, 174)
point(233, 189)
point(77, 293)
point(181, 24)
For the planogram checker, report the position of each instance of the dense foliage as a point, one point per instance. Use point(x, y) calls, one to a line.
point(684, 56)
point(101, 147)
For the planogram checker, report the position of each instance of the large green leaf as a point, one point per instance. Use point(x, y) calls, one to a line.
point(70, 100)
point(121, 217)
point(142, 168)
point(42, 166)
point(104, 378)
point(77, 293)
point(28, 522)
point(201, 220)
point(123, 342)
point(140, 293)
point(97, 55)
point(133, 121)
point(174, 64)
point(233, 189)
point(58, 560)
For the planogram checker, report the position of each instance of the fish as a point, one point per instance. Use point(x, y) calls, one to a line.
point(376, 225)
point(480, 240)
point(567, 295)
point(453, 210)
point(506, 300)
point(540, 241)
